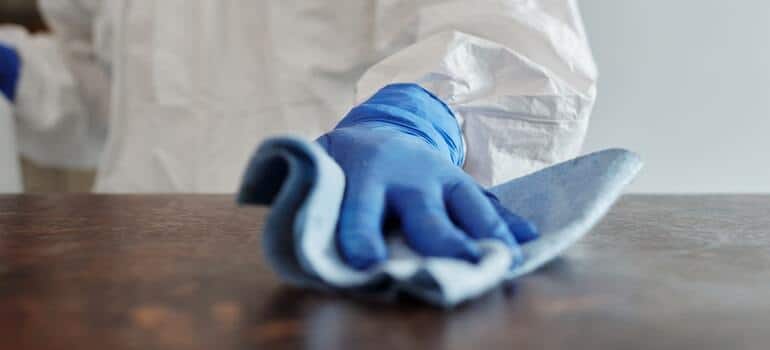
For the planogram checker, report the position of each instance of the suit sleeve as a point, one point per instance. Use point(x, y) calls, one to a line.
point(519, 75)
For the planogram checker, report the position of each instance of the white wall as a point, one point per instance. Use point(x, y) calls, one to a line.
point(685, 83)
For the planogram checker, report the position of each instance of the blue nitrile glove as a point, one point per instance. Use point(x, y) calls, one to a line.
point(401, 153)
point(10, 64)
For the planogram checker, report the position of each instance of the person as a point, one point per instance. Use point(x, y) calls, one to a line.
point(173, 95)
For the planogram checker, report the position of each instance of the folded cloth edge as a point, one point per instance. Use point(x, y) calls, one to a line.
point(290, 173)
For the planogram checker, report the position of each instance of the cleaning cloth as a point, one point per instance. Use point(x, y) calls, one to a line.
point(305, 187)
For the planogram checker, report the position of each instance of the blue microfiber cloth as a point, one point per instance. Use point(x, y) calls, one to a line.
point(305, 188)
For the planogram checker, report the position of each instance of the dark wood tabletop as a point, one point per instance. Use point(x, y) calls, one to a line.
point(186, 272)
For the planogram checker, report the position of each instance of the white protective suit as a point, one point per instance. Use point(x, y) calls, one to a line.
point(10, 175)
point(188, 88)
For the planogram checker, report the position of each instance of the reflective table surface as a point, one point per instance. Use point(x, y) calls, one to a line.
point(186, 272)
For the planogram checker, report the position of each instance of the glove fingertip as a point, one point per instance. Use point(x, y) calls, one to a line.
point(470, 252)
point(525, 231)
point(362, 252)
point(504, 234)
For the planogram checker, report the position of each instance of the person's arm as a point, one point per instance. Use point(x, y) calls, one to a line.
point(62, 96)
point(519, 75)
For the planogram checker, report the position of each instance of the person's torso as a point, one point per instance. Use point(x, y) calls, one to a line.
point(198, 84)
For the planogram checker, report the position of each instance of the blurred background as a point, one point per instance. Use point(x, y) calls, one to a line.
point(684, 83)
point(22, 12)
point(40, 179)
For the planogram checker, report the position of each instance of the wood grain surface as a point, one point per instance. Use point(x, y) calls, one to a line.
point(186, 272)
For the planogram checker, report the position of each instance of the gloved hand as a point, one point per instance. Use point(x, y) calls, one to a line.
point(10, 64)
point(401, 153)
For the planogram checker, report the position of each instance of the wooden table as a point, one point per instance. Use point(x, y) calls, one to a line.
point(186, 272)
